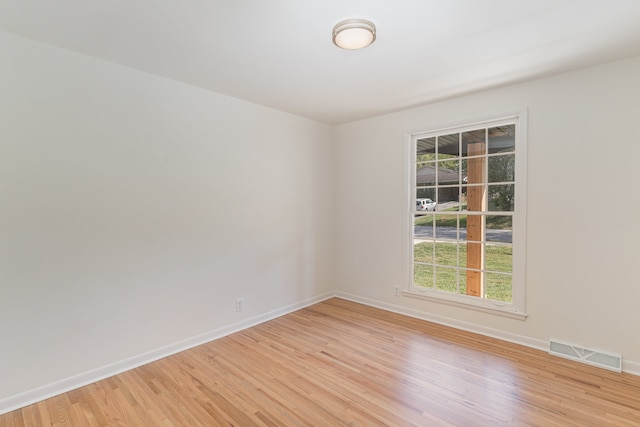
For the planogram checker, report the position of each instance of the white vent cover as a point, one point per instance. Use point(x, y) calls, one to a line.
point(609, 361)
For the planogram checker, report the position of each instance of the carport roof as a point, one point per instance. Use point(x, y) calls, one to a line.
point(427, 175)
point(500, 139)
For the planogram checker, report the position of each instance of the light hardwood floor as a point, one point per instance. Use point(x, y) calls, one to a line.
point(341, 363)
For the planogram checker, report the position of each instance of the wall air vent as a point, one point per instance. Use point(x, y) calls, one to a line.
point(613, 362)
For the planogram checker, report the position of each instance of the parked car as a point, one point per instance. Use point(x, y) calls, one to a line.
point(425, 205)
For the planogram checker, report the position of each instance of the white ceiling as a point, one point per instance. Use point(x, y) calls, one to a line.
point(279, 53)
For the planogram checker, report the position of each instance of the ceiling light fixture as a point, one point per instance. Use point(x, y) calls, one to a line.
point(354, 34)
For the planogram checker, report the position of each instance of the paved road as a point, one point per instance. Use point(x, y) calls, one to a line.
point(449, 233)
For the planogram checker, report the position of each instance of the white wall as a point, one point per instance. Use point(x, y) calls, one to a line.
point(135, 209)
point(582, 247)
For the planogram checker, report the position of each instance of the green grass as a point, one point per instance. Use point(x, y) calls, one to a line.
point(448, 220)
point(448, 256)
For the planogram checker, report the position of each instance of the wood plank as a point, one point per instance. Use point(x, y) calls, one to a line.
point(476, 202)
point(342, 363)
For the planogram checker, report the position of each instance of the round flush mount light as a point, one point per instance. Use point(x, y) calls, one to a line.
point(354, 34)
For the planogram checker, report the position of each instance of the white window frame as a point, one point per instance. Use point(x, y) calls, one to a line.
point(517, 308)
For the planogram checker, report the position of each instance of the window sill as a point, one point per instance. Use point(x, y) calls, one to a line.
point(467, 302)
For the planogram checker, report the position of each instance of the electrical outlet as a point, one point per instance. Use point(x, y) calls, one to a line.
point(239, 304)
point(397, 291)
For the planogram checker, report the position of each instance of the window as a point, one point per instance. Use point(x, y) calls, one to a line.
point(468, 215)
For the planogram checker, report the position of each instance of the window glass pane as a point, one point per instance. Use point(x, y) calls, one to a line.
point(446, 226)
point(448, 172)
point(431, 163)
point(462, 277)
point(499, 258)
point(422, 228)
point(454, 206)
point(446, 279)
point(462, 221)
point(423, 251)
point(448, 146)
point(464, 194)
point(425, 193)
point(502, 138)
point(498, 287)
point(447, 253)
point(423, 275)
point(426, 173)
point(447, 198)
point(464, 189)
point(425, 149)
point(462, 255)
point(501, 197)
point(444, 157)
point(463, 207)
point(502, 168)
point(474, 143)
point(499, 229)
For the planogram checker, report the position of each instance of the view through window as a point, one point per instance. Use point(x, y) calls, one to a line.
point(464, 185)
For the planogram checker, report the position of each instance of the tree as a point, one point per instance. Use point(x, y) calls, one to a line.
point(502, 169)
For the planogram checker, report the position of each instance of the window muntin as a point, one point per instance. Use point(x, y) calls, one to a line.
point(464, 249)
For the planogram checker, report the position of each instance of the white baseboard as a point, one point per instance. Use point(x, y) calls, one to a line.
point(631, 367)
point(50, 390)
